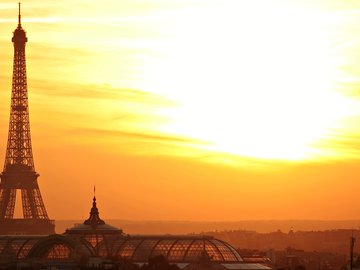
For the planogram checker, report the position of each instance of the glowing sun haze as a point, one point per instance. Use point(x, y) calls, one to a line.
point(188, 100)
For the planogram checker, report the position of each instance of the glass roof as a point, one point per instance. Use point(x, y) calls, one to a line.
point(179, 249)
point(18, 246)
point(98, 238)
point(175, 249)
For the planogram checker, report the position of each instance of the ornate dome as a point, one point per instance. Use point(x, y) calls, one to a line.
point(93, 225)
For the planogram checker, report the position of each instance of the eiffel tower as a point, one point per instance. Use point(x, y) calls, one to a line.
point(19, 170)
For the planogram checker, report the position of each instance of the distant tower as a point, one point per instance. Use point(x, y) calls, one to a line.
point(19, 170)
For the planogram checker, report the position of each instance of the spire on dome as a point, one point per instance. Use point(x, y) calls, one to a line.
point(94, 219)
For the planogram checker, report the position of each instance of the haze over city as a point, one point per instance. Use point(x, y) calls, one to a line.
point(191, 110)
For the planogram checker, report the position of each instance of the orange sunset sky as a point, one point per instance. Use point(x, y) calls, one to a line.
point(191, 109)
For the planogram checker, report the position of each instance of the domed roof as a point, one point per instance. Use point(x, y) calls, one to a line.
point(94, 224)
point(176, 249)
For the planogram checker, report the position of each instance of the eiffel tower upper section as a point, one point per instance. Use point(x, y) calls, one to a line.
point(19, 150)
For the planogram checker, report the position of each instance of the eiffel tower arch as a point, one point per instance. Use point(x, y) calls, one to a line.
point(19, 170)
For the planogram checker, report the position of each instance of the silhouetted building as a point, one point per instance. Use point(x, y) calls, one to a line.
point(329, 241)
point(96, 243)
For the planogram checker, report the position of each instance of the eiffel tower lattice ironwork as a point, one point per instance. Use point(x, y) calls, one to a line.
point(19, 170)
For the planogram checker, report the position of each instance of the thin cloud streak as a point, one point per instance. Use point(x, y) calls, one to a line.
point(162, 138)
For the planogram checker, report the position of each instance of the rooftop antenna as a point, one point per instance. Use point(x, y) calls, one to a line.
point(19, 17)
point(352, 243)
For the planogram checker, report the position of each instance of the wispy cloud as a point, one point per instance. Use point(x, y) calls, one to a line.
point(138, 136)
